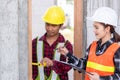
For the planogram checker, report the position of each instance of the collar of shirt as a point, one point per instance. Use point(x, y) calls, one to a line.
point(102, 48)
point(59, 39)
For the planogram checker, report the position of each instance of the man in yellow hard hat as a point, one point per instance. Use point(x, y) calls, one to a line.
point(44, 48)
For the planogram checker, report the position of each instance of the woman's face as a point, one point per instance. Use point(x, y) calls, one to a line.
point(99, 30)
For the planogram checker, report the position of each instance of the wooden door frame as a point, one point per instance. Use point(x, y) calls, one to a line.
point(29, 39)
point(78, 33)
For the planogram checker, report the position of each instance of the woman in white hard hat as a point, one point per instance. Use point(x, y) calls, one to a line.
point(102, 59)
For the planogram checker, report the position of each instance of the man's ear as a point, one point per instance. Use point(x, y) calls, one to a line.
point(61, 25)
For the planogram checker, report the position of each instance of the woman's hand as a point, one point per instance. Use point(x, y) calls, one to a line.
point(95, 76)
point(63, 50)
point(48, 62)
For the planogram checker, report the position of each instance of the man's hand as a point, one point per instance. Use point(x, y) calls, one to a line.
point(47, 61)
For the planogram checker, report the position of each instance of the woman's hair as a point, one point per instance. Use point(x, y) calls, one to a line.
point(116, 36)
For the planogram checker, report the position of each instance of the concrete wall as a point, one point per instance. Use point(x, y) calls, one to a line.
point(13, 40)
point(23, 39)
point(9, 67)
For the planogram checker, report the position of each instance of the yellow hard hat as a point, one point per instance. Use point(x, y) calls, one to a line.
point(54, 15)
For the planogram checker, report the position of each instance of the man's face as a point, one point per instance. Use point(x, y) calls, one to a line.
point(52, 29)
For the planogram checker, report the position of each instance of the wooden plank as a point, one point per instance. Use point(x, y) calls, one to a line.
point(30, 39)
point(78, 33)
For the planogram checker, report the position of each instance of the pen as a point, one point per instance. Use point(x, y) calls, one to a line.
point(63, 45)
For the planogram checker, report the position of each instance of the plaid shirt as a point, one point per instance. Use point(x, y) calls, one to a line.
point(81, 63)
point(59, 68)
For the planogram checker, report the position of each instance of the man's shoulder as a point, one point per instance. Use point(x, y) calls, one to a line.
point(40, 38)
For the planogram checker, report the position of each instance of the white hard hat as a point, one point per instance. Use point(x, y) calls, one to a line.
point(105, 15)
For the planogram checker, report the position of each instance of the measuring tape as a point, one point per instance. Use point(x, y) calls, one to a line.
point(39, 64)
